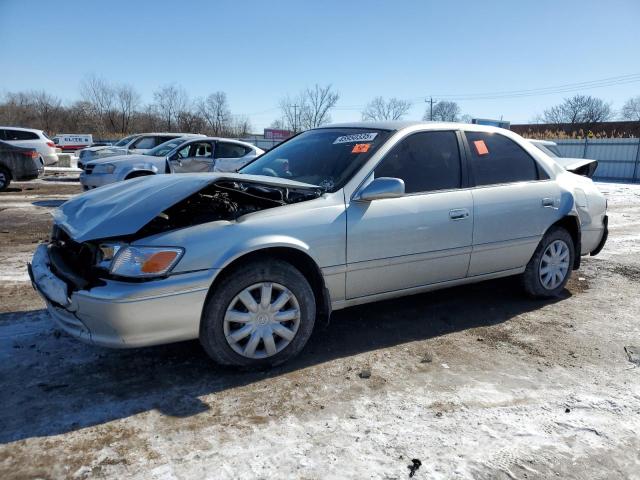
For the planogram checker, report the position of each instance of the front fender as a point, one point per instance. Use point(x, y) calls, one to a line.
point(260, 243)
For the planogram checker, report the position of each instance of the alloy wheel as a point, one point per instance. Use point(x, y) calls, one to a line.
point(554, 264)
point(261, 320)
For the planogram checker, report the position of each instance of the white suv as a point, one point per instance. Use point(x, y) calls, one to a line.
point(31, 138)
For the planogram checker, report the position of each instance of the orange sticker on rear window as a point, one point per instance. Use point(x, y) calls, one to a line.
point(481, 148)
point(361, 148)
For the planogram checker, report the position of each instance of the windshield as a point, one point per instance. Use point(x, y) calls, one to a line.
point(327, 157)
point(551, 150)
point(164, 148)
point(124, 141)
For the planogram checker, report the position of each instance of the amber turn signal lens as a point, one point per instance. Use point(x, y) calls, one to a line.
point(158, 262)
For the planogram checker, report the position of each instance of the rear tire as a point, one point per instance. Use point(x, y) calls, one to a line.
point(5, 179)
point(549, 269)
point(244, 322)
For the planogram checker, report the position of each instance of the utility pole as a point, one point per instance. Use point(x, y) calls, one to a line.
point(295, 117)
point(430, 102)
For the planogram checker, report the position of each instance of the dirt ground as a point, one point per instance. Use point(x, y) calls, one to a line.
point(472, 382)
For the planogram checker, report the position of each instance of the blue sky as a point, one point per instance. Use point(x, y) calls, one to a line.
point(259, 51)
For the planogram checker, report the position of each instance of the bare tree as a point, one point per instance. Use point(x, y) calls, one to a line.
point(292, 109)
point(241, 126)
point(316, 105)
point(216, 113)
point(579, 109)
point(309, 109)
point(631, 109)
point(443, 111)
point(102, 98)
point(126, 102)
point(378, 109)
point(169, 102)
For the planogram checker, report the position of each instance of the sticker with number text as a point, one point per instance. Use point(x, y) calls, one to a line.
point(356, 137)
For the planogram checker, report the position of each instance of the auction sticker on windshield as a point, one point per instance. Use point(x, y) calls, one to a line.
point(356, 137)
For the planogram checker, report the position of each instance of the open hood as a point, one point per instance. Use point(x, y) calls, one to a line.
point(123, 208)
point(580, 166)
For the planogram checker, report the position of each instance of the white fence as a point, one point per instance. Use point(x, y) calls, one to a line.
point(618, 158)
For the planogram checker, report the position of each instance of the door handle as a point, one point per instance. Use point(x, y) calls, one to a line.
point(458, 214)
point(548, 202)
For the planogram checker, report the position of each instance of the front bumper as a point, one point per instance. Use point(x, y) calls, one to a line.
point(124, 314)
point(95, 180)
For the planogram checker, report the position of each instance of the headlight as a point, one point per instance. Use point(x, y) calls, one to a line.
point(145, 261)
point(104, 168)
point(106, 253)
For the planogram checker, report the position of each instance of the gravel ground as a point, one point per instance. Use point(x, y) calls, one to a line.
point(472, 382)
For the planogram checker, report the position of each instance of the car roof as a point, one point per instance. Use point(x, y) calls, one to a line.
point(397, 125)
point(22, 129)
point(176, 134)
point(222, 139)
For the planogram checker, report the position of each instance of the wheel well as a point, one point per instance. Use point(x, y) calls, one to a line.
point(572, 225)
point(138, 173)
point(298, 259)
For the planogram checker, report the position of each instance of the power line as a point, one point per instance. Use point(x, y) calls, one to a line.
point(626, 79)
point(565, 88)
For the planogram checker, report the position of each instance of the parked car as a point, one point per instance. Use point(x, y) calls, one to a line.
point(180, 155)
point(581, 166)
point(31, 138)
point(70, 142)
point(18, 163)
point(336, 216)
point(139, 143)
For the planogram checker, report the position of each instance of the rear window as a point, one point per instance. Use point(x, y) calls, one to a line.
point(230, 150)
point(20, 135)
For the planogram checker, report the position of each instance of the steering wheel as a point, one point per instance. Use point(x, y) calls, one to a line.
point(269, 172)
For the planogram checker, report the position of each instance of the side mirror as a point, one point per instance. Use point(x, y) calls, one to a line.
point(383, 187)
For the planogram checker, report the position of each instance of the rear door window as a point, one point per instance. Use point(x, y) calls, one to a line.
point(496, 159)
point(426, 161)
point(145, 143)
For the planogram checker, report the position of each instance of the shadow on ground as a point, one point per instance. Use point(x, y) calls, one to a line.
point(54, 385)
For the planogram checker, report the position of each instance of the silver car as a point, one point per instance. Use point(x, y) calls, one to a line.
point(179, 155)
point(138, 143)
point(337, 216)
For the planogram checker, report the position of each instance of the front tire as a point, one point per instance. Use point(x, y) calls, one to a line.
point(549, 269)
point(260, 315)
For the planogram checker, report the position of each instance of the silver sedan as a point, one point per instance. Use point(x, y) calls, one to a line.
point(337, 216)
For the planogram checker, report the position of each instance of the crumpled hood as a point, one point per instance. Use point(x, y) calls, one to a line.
point(125, 207)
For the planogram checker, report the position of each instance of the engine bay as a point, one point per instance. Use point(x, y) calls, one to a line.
point(225, 200)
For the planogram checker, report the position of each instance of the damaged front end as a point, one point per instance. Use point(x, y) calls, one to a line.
point(102, 284)
point(84, 262)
